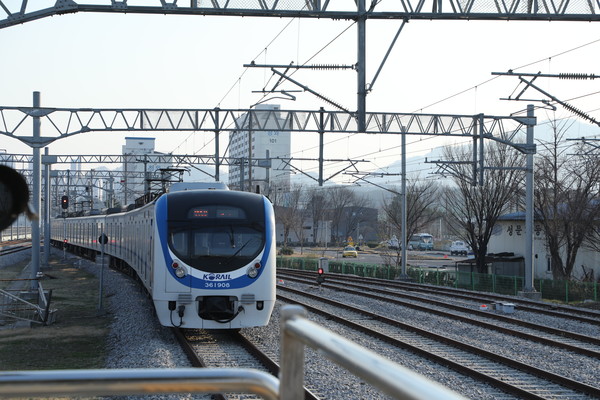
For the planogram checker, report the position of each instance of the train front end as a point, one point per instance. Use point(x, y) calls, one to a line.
point(214, 259)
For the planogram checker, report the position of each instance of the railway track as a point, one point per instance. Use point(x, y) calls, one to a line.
point(547, 335)
point(12, 248)
point(231, 349)
point(514, 377)
point(555, 310)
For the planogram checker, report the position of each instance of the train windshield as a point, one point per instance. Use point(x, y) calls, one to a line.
point(217, 238)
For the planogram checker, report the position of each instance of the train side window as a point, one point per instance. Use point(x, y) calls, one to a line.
point(179, 241)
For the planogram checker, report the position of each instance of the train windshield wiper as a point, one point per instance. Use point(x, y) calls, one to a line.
point(231, 239)
point(241, 248)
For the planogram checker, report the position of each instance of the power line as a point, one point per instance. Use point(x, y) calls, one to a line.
point(495, 77)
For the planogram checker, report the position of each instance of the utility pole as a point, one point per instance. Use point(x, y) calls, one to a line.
point(321, 140)
point(36, 196)
point(249, 153)
point(403, 274)
point(267, 189)
point(361, 66)
point(528, 284)
point(217, 156)
point(125, 179)
point(46, 208)
point(91, 191)
point(242, 162)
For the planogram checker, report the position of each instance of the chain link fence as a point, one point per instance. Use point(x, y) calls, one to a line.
point(565, 291)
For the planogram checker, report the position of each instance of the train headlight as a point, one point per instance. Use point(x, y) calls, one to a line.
point(252, 272)
point(180, 271)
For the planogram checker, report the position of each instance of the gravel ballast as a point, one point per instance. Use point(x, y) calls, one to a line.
point(137, 340)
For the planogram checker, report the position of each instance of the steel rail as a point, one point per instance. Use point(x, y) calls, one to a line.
point(12, 250)
point(192, 356)
point(555, 310)
point(588, 316)
point(561, 380)
point(268, 362)
point(196, 360)
point(344, 286)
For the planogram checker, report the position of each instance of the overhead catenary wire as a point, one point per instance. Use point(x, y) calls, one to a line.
point(474, 87)
point(238, 79)
point(390, 148)
point(517, 68)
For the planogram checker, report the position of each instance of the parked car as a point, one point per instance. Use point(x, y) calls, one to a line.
point(458, 247)
point(349, 251)
point(421, 241)
point(394, 244)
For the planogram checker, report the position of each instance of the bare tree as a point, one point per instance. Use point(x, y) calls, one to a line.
point(421, 198)
point(421, 209)
point(566, 201)
point(356, 214)
point(318, 203)
point(340, 198)
point(474, 210)
point(288, 211)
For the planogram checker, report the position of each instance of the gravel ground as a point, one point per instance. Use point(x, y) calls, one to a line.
point(342, 385)
point(562, 362)
point(138, 341)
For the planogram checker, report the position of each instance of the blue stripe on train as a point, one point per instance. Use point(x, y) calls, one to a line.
point(197, 283)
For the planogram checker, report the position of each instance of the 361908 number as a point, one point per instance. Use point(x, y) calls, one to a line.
point(216, 285)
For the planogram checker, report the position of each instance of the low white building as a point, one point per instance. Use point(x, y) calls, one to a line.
point(509, 237)
point(308, 235)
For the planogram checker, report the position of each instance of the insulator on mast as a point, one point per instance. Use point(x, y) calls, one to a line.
point(577, 76)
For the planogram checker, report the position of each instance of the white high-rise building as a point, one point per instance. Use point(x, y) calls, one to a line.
point(136, 169)
point(260, 147)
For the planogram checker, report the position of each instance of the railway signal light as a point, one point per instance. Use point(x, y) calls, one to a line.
point(320, 275)
point(64, 202)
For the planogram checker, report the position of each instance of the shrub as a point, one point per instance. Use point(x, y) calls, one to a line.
point(286, 251)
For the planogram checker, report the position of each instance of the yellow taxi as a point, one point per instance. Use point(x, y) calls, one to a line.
point(350, 251)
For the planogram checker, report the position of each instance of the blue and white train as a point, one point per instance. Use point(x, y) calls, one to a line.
point(206, 257)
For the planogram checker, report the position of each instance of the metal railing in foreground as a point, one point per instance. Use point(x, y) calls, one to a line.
point(106, 382)
point(297, 332)
point(20, 306)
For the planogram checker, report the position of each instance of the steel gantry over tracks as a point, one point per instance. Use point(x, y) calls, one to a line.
point(18, 12)
point(64, 122)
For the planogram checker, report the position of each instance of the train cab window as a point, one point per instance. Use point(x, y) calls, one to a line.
point(217, 238)
point(201, 244)
point(179, 242)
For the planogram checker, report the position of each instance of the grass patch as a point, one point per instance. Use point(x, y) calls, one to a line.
point(76, 340)
point(10, 272)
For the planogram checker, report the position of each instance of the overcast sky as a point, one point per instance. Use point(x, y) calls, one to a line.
point(155, 61)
